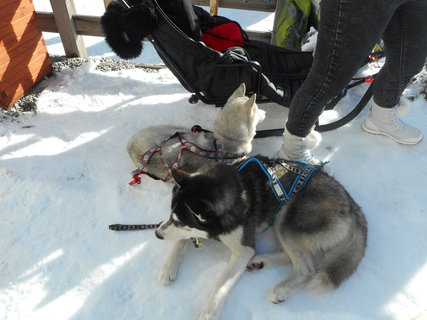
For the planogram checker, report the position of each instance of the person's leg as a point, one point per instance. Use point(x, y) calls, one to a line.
point(405, 44)
point(348, 31)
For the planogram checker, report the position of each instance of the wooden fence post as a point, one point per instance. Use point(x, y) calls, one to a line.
point(106, 3)
point(213, 5)
point(63, 11)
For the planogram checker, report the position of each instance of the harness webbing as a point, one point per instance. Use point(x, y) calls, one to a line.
point(215, 154)
point(302, 176)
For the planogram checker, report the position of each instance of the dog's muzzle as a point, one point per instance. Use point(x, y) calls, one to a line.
point(159, 236)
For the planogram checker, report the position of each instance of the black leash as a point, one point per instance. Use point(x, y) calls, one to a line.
point(136, 227)
point(133, 227)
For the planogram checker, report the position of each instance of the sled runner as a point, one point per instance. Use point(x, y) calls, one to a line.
point(272, 72)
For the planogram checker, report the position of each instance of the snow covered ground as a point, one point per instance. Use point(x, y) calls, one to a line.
point(64, 176)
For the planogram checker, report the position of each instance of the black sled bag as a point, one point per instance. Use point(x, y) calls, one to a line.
point(213, 76)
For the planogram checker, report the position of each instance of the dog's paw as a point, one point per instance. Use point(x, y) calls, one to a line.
point(167, 274)
point(278, 295)
point(254, 266)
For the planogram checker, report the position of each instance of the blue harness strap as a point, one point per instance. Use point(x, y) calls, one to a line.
point(303, 173)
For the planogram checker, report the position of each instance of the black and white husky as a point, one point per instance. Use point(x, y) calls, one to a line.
point(320, 229)
point(156, 150)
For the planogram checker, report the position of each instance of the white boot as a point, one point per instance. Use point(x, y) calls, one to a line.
point(385, 121)
point(298, 148)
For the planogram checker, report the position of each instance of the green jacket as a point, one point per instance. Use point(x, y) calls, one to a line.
point(292, 22)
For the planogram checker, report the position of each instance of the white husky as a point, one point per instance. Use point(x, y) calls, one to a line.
point(156, 150)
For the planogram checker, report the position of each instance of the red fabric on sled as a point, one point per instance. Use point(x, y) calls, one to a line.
point(223, 36)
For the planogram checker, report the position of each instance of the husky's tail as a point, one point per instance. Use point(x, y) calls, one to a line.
point(320, 283)
point(333, 271)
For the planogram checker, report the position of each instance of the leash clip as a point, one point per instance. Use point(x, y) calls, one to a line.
point(197, 243)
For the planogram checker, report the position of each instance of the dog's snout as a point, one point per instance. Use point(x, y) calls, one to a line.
point(158, 235)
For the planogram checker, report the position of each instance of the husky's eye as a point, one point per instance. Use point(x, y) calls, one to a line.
point(176, 221)
point(196, 215)
point(199, 218)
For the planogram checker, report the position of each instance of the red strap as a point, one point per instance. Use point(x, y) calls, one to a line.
point(136, 179)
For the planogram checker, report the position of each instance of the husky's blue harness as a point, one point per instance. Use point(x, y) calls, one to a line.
point(303, 173)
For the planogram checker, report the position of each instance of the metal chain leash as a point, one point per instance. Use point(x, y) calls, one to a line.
point(133, 227)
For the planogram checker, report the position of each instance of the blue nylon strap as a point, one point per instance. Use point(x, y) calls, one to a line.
point(264, 168)
point(303, 175)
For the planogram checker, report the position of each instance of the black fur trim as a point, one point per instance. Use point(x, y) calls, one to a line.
point(125, 28)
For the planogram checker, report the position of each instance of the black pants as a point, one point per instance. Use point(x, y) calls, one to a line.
point(348, 31)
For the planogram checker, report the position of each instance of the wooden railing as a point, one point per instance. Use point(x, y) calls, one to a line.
point(72, 26)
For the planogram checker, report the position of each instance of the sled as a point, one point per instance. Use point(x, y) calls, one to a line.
point(211, 76)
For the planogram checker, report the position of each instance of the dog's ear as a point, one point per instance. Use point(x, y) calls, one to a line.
point(125, 28)
point(251, 104)
point(180, 177)
point(239, 92)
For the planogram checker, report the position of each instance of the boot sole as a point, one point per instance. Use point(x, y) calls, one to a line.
point(390, 136)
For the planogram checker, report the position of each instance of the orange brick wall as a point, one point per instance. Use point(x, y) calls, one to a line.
point(23, 55)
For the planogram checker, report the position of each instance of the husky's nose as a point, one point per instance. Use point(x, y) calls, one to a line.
point(158, 235)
